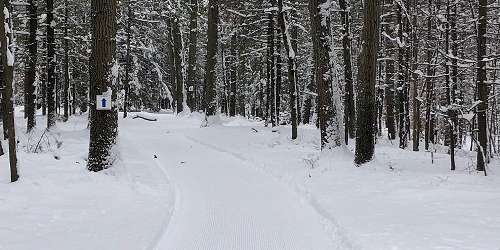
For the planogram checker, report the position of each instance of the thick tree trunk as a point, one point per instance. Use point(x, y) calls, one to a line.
point(104, 128)
point(30, 70)
point(51, 66)
point(367, 78)
point(292, 69)
point(482, 86)
point(328, 112)
point(8, 75)
point(210, 74)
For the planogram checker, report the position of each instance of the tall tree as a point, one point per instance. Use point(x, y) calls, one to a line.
point(6, 40)
point(482, 86)
point(210, 102)
point(349, 109)
point(327, 86)
point(51, 65)
point(367, 78)
point(66, 90)
point(292, 67)
point(193, 40)
point(104, 125)
point(30, 67)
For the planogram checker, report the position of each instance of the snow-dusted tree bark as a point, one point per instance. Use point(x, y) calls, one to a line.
point(178, 62)
point(210, 102)
point(193, 40)
point(429, 82)
point(389, 70)
point(8, 75)
point(367, 78)
point(66, 93)
point(104, 125)
point(271, 65)
point(30, 67)
point(482, 87)
point(327, 88)
point(51, 66)
point(292, 69)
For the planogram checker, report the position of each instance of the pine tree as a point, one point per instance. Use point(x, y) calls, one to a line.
point(51, 66)
point(482, 87)
point(210, 103)
point(30, 67)
point(367, 78)
point(6, 40)
point(104, 125)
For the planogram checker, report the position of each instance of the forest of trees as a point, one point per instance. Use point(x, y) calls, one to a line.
point(421, 73)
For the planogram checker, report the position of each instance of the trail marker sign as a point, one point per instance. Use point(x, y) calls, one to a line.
point(103, 102)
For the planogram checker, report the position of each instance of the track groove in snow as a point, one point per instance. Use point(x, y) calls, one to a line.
point(222, 203)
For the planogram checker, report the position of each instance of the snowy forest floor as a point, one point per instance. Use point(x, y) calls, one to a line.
point(239, 185)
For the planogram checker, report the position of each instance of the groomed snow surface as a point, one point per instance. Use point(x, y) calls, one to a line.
point(239, 185)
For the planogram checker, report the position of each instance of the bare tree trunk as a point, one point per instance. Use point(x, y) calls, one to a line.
point(179, 78)
point(30, 75)
point(127, 60)
point(389, 76)
point(193, 40)
point(367, 79)
point(271, 66)
point(482, 86)
point(292, 69)
point(66, 63)
point(210, 76)
point(329, 123)
point(104, 128)
point(8, 75)
point(349, 108)
point(51, 66)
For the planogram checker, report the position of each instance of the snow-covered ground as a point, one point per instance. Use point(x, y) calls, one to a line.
point(239, 185)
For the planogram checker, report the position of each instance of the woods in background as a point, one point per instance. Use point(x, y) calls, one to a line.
point(421, 73)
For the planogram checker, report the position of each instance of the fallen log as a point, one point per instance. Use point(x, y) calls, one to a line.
point(150, 119)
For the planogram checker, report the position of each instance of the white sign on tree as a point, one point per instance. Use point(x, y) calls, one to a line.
point(103, 102)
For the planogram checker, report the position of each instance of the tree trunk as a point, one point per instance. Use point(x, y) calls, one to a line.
point(66, 63)
point(179, 78)
point(193, 40)
point(51, 66)
point(482, 86)
point(349, 108)
point(210, 102)
point(104, 128)
point(292, 69)
point(367, 78)
point(389, 78)
point(8, 75)
point(30, 70)
point(328, 113)
point(127, 60)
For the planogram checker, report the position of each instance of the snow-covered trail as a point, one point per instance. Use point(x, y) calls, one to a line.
point(224, 203)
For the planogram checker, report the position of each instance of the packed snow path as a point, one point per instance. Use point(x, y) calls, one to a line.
point(222, 202)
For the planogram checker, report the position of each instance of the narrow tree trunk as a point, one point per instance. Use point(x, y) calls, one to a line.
point(66, 63)
point(51, 66)
point(30, 75)
point(349, 108)
point(179, 78)
point(389, 76)
point(279, 76)
point(415, 79)
point(127, 60)
point(429, 84)
point(271, 66)
point(482, 86)
point(210, 77)
point(8, 75)
point(104, 128)
point(193, 40)
point(367, 78)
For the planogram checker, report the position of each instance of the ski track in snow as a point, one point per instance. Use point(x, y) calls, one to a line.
point(221, 202)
